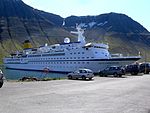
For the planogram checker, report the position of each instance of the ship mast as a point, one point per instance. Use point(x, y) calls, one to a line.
point(80, 33)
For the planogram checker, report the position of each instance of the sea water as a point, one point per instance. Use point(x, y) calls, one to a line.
point(18, 74)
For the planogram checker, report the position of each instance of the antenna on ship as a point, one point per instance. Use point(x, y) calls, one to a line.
point(80, 33)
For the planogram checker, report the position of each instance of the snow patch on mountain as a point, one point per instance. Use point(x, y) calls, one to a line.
point(83, 25)
point(91, 24)
point(102, 24)
point(86, 25)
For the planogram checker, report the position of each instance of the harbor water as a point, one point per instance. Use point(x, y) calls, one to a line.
point(18, 74)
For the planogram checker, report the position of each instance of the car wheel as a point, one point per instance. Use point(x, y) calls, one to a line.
point(120, 75)
point(1, 84)
point(105, 75)
point(147, 72)
point(76, 78)
point(90, 78)
point(83, 78)
point(69, 77)
point(100, 74)
point(134, 73)
point(115, 74)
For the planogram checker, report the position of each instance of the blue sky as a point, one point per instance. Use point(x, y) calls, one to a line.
point(139, 10)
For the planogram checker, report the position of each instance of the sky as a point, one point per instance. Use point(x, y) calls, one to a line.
point(138, 10)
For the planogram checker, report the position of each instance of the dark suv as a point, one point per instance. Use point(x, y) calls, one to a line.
point(1, 78)
point(132, 68)
point(145, 68)
point(116, 71)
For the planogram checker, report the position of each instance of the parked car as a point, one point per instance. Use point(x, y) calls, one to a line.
point(144, 68)
point(116, 71)
point(1, 78)
point(81, 73)
point(133, 69)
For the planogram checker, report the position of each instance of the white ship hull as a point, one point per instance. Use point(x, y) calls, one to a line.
point(68, 66)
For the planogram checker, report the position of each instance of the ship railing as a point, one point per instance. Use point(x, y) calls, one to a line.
point(125, 56)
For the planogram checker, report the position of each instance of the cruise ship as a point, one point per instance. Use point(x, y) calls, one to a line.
point(67, 57)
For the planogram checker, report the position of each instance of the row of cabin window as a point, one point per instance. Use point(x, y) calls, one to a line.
point(84, 53)
point(13, 59)
point(74, 67)
point(71, 67)
point(60, 63)
point(77, 53)
point(51, 58)
point(58, 54)
point(61, 58)
point(54, 54)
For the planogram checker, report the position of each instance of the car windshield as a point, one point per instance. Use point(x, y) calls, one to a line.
point(89, 71)
point(85, 71)
point(148, 64)
point(76, 72)
point(107, 68)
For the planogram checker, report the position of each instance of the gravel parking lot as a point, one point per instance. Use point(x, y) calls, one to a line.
point(101, 95)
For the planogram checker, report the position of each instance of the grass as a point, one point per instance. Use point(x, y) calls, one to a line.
point(49, 79)
point(30, 79)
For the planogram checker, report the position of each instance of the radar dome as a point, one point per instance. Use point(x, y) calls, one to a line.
point(67, 40)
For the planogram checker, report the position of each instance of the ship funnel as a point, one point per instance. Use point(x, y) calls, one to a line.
point(27, 44)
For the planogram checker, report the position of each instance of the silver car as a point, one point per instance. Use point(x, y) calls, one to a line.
point(81, 73)
point(1, 78)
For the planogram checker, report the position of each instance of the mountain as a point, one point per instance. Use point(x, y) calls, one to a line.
point(122, 33)
point(115, 22)
point(19, 22)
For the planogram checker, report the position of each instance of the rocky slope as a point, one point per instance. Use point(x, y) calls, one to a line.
point(19, 22)
point(111, 22)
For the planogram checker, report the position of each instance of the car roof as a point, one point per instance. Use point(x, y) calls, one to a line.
point(114, 66)
point(85, 69)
